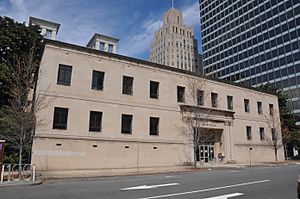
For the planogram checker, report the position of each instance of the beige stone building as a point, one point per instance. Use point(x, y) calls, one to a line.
point(101, 110)
point(174, 44)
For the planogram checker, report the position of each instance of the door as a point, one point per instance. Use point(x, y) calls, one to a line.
point(206, 153)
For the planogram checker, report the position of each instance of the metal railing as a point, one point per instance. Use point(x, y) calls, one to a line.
point(16, 172)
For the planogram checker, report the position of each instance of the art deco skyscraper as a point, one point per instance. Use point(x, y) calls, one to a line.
point(174, 44)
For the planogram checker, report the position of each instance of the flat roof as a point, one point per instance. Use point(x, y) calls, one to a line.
point(97, 35)
point(148, 63)
point(34, 19)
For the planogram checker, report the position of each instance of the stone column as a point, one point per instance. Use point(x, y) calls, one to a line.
point(228, 141)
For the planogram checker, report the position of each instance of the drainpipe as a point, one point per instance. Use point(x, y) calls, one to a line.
point(138, 157)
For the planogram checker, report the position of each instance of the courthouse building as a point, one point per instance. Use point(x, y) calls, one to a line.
point(102, 110)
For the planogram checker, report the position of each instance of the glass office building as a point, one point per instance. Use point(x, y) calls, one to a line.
point(253, 42)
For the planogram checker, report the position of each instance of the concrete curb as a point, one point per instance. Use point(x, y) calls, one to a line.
point(20, 183)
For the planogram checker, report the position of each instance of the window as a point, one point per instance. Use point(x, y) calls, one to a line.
point(60, 119)
point(127, 85)
point(48, 34)
point(154, 90)
point(64, 75)
point(95, 121)
point(97, 80)
point(273, 131)
point(214, 100)
point(259, 107)
point(271, 107)
point(248, 132)
point(230, 102)
point(154, 125)
point(102, 46)
point(200, 97)
point(110, 48)
point(262, 133)
point(180, 94)
point(246, 105)
point(126, 124)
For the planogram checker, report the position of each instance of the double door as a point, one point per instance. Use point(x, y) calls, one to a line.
point(206, 153)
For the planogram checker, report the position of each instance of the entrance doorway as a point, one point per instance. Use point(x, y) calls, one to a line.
point(205, 153)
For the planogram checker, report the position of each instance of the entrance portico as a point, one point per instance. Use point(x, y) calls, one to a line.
point(215, 144)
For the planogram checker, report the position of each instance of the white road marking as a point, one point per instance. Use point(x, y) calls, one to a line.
point(226, 196)
point(170, 176)
point(149, 186)
point(206, 190)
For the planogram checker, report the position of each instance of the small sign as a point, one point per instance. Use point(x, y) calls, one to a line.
point(1, 147)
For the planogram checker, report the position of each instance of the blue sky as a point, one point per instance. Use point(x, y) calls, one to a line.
point(132, 21)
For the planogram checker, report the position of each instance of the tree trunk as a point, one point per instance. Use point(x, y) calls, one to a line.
point(276, 159)
point(20, 157)
point(195, 156)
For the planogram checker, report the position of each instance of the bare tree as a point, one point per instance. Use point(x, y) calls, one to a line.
point(19, 117)
point(195, 117)
point(275, 138)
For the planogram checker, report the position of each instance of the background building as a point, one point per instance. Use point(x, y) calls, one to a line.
point(253, 42)
point(174, 44)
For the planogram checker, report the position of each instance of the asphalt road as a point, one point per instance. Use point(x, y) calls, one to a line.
point(250, 183)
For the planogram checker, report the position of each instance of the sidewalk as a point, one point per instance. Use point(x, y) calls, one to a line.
point(48, 175)
point(64, 174)
point(20, 183)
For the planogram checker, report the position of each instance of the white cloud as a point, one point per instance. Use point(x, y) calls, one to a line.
point(191, 14)
point(140, 42)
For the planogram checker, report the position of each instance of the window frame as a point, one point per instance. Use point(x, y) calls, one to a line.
point(259, 107)
point(247, 105)
point(200, 97)
point(154, 121)
point(124, 129)
point(95, 128)
point(65, 81)
point(101, 76)
point(180, 94)
point(58, 121)
point(262, 133)
point(229, 102)
point(154, 86)
point(271, 109)
point(249, 132)
point(127, 89)
point(214, 99)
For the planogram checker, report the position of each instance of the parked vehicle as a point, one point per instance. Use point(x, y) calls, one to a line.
point(296, 157)
point(298, 187)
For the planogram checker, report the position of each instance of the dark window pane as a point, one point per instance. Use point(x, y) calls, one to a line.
point(95, 121)
point(180, 94)
point(60, 119)
point(126, 127)
point(200, 97)
point(214, 100)
point(97, 80)
point(246, 105)
point(154, 89)
point(127, 85)
point(248, 132)
point(64, 75)
point(154, 126)
point(230, 102)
